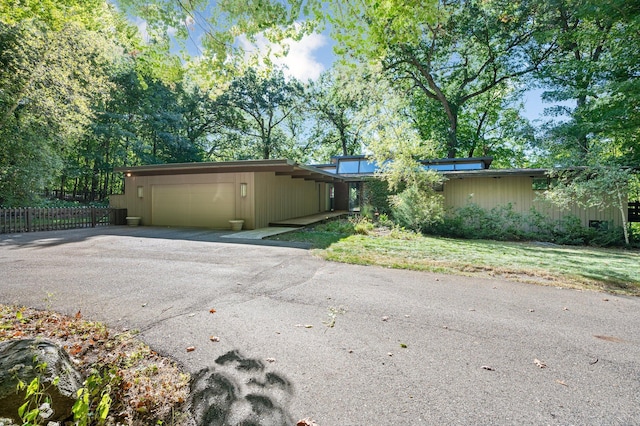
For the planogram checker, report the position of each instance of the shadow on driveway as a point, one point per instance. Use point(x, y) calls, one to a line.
point(54, 238)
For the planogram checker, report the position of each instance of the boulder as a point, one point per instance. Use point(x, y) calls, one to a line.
point(19, 359)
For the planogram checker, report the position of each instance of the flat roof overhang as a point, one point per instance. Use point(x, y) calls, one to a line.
point(494, 173)
point(279, 167)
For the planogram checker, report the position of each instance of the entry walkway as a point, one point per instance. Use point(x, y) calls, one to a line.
point(261, 233)
point(297, 222)
point(283, 226)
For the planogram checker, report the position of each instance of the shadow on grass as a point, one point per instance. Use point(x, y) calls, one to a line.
point(316, 239)
point(588, 267)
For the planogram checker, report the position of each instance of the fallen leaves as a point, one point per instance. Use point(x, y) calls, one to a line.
point(609, 338)
point(191, 348)
point(539, 363)
point(270, 360)
point(212, 311)
point(214, 338)
point(142, 374)
point(486, 367)
point(306, 422)
point(304, 325)
point(560, 382)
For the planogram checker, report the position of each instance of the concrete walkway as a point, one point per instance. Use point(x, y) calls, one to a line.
point(259, 234)
point(310, 219)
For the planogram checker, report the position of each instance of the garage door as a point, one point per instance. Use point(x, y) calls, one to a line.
point(198, 205)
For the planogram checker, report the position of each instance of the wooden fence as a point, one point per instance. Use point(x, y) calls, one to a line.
point(49, 219)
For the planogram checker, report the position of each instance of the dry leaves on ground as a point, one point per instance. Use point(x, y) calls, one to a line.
point(148, 387)
point(539, 363)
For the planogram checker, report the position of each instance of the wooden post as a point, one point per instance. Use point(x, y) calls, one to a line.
point(93, 217)
point(28, 219)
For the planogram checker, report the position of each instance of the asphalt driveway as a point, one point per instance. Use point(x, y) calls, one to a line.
point(342, 344)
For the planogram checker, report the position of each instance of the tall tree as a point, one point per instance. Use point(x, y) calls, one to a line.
point(473, 50)
point(336, 101)
point(266, 102)
point(594, 73)
point(50, 80)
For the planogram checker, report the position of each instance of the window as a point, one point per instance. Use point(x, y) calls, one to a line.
point(440, 167)
point(348, 166)
point(540, 184)
point(599, 225)
point(367, 166)
point(468, 166)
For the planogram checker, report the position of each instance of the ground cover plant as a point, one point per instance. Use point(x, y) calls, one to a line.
point(143, 387)
point(613, 270)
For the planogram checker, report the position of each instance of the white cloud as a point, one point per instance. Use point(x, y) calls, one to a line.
point(301, 62)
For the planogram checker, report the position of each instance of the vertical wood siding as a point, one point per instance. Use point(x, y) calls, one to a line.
point(282, 197)
point(517, 190)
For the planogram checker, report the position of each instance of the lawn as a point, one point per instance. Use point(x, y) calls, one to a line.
point(612, 270)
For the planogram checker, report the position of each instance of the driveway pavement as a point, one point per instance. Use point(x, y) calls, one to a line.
point(341, 344)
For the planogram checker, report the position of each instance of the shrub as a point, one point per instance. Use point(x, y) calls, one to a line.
point(504, 223)
point(362, 225)
point(375, 197)
point(337, 227)
point(417, 208)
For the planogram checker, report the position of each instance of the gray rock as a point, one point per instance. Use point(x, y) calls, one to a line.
point(19, 359)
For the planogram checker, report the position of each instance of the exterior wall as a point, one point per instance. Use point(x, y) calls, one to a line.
point(282, 197)
point(142, 206)
point(491, 192)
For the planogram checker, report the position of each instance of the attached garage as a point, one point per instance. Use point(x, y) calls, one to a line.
point(209, 195)
point(197, 205)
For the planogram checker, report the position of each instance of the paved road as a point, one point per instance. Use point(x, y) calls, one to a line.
point(164, 282)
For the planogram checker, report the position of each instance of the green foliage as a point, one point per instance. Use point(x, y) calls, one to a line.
point(362, 225)
point(94, 398)
point(338, 100)
point(594, 75)
point(417, 207)
point(599, 187)
point(340, 226)
point(37, 406)
point(266, 104)
point(503, 223)
point(376, 198)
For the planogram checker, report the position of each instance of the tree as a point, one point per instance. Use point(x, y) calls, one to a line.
point(490, 125)
point(473, 50)
point(50, 80)
point(594, 73)
point(266, 102)
point(599, 187)
point(336, 101)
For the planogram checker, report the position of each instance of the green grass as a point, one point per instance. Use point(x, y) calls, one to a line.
point(612, 270)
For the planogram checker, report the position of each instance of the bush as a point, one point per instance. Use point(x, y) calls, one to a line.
point(362, 225)
point(503, 223)
point(416, 208)
point(375, 197)
point(340, 226)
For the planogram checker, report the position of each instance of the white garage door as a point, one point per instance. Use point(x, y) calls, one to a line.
point(198, 205)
